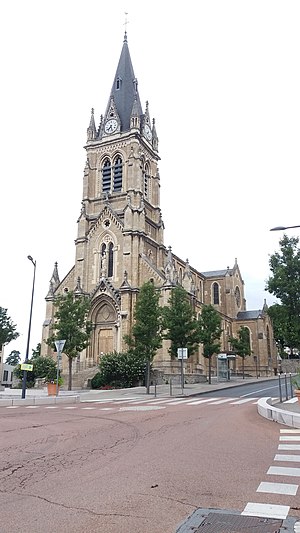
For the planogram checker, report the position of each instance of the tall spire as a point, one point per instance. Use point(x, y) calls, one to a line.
point(124, 91)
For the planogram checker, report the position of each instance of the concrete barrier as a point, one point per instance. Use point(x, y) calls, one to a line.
point(269, 411)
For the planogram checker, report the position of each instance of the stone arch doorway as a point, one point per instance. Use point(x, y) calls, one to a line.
point(104, 317)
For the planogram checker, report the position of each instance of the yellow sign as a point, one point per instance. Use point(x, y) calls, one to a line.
point(27, 367)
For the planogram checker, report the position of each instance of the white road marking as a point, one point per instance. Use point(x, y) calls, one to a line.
point(284, 471)
point(278, 488)
point(51, 406)
point(88, 408)
point(290, 438)
point(293, 458)
point(291, 447)
point(266, 510)
point(32, 406)
point(239, 402)
point(197, 402)
point(107, 400)
point(177, 402)
point(107, 409)
point(292, 400)
point(166, 400)
point(224, 400)
point(290, 431)
point(256, 391)
point(12, 407)
point(70, 407)
point(141, 408)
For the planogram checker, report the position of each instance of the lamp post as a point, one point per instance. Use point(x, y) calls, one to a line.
point(282, 228)
point(29, 328)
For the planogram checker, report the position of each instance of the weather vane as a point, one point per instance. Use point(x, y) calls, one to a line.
point(126, 22)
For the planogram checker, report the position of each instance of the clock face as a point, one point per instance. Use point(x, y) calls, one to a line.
point(148, 132)
point(111, 126)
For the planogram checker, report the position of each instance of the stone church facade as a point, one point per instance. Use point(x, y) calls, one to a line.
point(120, 243)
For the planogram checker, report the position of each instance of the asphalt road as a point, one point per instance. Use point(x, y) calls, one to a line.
point(258, 389)
point(132, 467)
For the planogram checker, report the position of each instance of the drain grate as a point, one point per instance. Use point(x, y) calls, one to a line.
point(231, 523)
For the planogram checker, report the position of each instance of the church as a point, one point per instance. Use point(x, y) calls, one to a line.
point(120, 245)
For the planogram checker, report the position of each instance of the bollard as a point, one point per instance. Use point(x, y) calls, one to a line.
point(155, 389)
point(286, 389)
point(291, 386)
point(170, 386)
point(280, 391)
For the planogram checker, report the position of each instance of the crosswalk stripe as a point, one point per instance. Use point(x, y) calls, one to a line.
point(284, 471)
point(290, 438)
point(177, 402)
point(266, 510)
point(245, 400)
point(290, 431)
point(198, 402)
point(291, 447)
point(224, 400)
point(291, 458)
point(278, 488)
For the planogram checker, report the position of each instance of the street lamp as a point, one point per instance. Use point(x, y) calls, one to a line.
point(29, 329)
point(281, 228)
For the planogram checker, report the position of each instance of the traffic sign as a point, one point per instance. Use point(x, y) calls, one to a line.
point(182, 353)
point(59, 345)
point(25, 366)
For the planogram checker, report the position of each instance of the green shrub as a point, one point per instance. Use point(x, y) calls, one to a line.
point(119, 370)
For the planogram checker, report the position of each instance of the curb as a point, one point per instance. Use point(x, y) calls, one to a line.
point(269, 411)
point(51, 400)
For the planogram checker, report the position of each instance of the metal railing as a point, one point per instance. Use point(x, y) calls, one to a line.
point(286, 389)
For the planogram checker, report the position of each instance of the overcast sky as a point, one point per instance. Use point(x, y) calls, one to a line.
point(222, 79)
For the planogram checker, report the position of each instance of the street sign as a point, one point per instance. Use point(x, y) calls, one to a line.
point(182, 353)
point(25, 366)
point(59, 345)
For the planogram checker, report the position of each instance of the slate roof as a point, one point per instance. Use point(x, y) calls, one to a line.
point(126, 96)
point(216, 273)
point(249, 315)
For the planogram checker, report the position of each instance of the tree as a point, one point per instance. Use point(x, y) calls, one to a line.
point(146, 338)
point(36, 352)
point(210, 332)
point(8, 331)
point(44, 367)
point(286, 329)
point(180, 322)
point(285, 285)
point(71, 324)
point(241, 344)
point(119, 370)
point(13, 358)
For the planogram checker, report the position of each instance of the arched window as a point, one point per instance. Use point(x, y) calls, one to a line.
point(110, 260)
point(237, 296)
point(107, 259)
point(146, 174)
point(216, 294)
point(117, 171)
point(106, 176)
point(180, 276)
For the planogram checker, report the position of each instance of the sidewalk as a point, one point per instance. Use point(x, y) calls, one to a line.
point(287, 413)
point(33, 396)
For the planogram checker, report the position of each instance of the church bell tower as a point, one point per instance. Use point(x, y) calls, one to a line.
point(119, 242)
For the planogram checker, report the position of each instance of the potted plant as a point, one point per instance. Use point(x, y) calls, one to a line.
point(52, 384)
point(296, 383)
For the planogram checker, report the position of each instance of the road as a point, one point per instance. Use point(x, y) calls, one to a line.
point(134, 467)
